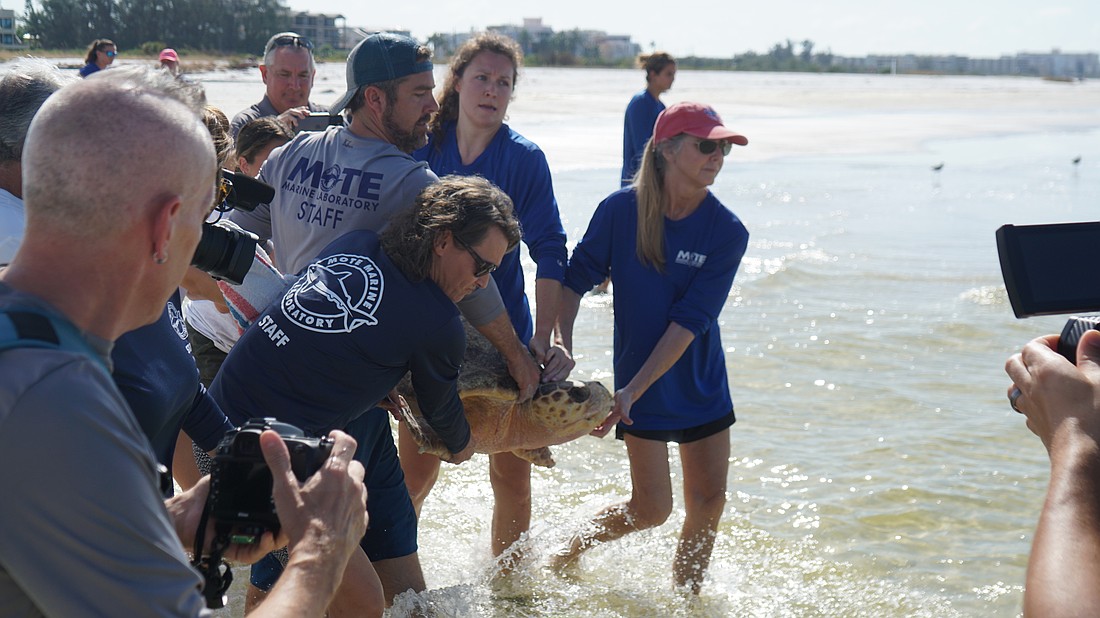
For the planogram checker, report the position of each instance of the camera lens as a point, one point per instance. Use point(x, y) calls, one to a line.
point(224, 253)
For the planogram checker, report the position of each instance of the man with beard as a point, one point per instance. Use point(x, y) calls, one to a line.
point(357, 177)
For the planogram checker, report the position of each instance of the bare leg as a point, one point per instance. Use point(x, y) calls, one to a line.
point(706, 468)
point(400, 574)
point(360, 592)
point(650, 502)
point(511, 480)
point(421, 471)
point(252, 598)
point(184, 468)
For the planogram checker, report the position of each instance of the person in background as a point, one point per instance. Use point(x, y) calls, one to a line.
point(101, 53)
point(256, 140)
point(468, 137)
point(641, 112)
point(671, 249)
point(84, 531)
point(169, 61)
point(23, 88)
point(287, 71)
point(1062, 405)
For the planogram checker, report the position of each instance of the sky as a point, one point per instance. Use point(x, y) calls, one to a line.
point(708, 28)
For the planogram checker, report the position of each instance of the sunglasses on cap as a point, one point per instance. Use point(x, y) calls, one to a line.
point(482, 266)
point(708, 146)
point(291, 40)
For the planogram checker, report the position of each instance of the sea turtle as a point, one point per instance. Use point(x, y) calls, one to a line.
point(559, 411)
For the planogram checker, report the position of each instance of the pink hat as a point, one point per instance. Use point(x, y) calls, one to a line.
point(695, 119)
point(169, 54)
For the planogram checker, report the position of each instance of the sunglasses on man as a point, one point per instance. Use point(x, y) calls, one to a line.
point(482, 266)
point(289, 40)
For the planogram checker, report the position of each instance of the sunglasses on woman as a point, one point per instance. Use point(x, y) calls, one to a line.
point(110, 54)
point(482, 266)
point(708, 146)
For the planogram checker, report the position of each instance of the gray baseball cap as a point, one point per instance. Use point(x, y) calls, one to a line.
point(378, 58)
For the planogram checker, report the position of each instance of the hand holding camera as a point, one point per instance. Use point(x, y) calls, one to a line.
point(269, 480)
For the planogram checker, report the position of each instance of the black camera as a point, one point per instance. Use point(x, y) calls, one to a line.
point(1048, 270)
point(225, 251)
point(240, 481)
point(319, 121)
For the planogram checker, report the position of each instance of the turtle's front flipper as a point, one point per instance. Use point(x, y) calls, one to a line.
point(538, 456)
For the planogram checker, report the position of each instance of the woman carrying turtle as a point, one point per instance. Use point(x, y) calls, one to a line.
point(468, 136)
point(671, 249)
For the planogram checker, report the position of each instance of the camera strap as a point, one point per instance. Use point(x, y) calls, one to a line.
point(28, 327)
point(215, 571)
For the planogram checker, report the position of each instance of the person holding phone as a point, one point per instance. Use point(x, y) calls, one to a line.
point(287, 71)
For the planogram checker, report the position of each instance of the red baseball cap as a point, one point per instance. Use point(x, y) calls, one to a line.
point(695, 119)
point(169, 54)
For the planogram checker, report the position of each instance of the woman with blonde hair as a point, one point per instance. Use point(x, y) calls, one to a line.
point(671, 249)
point(468, 137)
point(641, 112)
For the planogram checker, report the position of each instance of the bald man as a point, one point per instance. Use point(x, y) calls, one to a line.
point(83, 530)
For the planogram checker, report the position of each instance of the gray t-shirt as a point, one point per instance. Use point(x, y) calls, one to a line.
point(333, 182)
point(262, 109)
point(83, 529)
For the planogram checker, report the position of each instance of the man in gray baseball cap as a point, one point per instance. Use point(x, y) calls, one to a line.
point(378, 58)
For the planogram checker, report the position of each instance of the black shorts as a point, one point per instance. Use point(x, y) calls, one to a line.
point(679, 436)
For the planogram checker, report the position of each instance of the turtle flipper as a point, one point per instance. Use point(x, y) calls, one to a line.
point(537, 456)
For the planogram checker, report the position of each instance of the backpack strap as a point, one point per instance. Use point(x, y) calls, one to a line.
point(25, 328)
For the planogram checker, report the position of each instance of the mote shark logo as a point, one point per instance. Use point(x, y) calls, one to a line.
point(176, 319)
point(330, 177)
point(336, 295)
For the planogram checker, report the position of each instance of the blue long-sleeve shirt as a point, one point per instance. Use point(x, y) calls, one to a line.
point(641, 115)
point(154, 370)
point(340, 339)
point(702, 254)
point(519, 168)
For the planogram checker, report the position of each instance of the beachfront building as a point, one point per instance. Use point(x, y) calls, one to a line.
point(1053, 65)
point(332, 30)
point(617, 47)
point(1057, 64)
point(529, 36)
point(8, 37)
point(321, 28)
point(537, 39)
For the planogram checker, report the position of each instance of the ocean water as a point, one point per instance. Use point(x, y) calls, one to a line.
point(876, 467)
